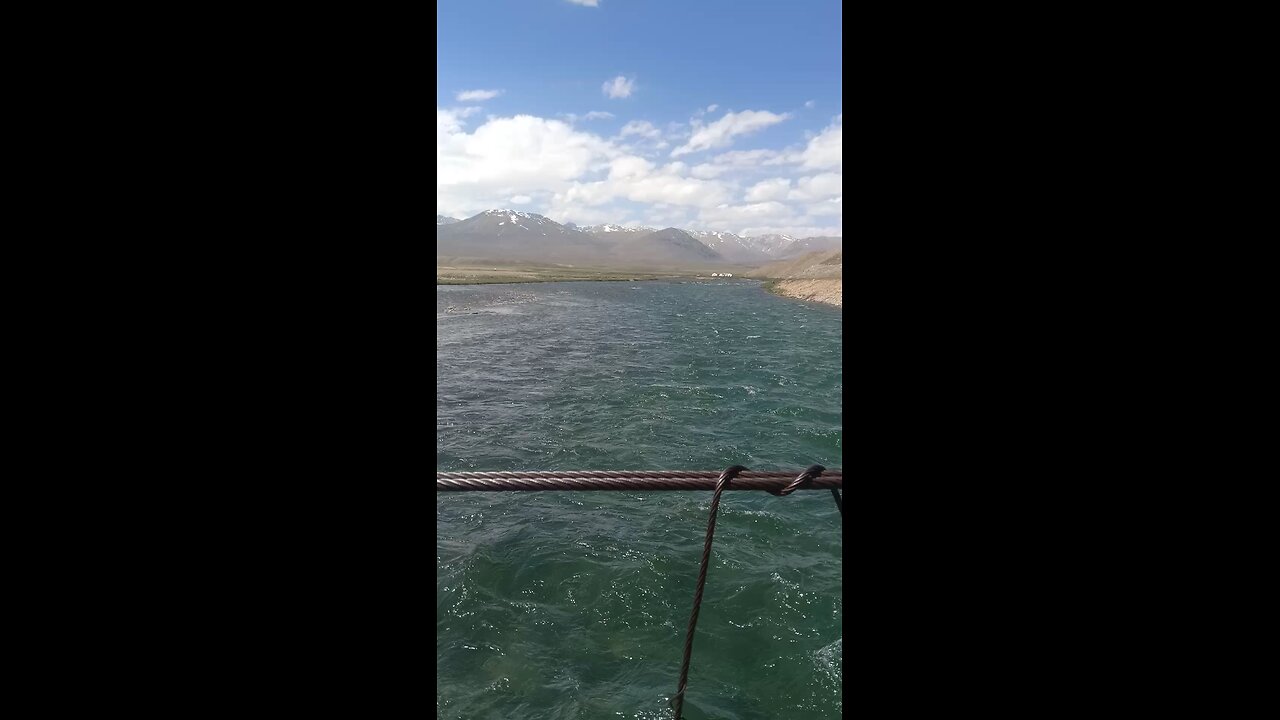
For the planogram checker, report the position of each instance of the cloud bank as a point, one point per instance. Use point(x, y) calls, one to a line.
point(571, 175)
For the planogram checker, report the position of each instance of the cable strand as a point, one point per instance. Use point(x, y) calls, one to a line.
point(677, 701)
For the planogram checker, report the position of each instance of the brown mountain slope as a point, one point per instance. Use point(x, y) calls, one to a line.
point(814, 276)
point(811, 265)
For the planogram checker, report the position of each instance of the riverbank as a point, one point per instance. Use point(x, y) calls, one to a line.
point(823, 290)
point(815, 277)
point(473, 275)
point(489, 274)
point(496, 279)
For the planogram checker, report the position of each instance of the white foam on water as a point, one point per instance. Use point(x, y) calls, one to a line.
point(829, 659)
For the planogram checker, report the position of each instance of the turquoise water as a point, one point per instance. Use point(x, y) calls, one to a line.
point(574, 605)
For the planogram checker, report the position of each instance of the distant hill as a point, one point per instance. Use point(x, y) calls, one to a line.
point(512, 236)
point(731, 247)
point(771, 245)
point(515, 235)
point(670, 246)
point(507, 236)
point(796, 248)
point(827, 264)
point(785, 246)
point(815, 277)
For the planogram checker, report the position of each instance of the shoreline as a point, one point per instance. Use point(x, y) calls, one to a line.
point(518, 280)
point(494, 280)
point(470, 275)
point(827, 291)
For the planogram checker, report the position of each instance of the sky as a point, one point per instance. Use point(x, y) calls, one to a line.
point(697, 114)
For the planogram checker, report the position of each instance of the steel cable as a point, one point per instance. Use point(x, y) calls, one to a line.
point(772, 482)
point(781, 484)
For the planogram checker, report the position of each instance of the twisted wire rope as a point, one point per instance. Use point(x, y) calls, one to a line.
point(780, 484)
point(769, 481)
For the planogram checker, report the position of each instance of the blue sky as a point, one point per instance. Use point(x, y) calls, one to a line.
point(693, 82)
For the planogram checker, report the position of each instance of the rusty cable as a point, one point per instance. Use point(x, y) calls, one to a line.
point(677, 701)
point(781, 484)
point(769, 481)
point(803, 481)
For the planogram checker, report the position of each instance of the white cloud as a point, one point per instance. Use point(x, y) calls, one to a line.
point(586, 3)
point(519, 155)
point(664, 217)
point(593, 115)
point(643, 128)
point(629, 166)
point(809, 104)
point(463, 112)
point(619, 87)
point(747, 158)
point(827, 149)
point(477, 95)
point(633, 178)
point(712, 108)
point(568, 212)
point(588, 194)
point(767, 218)
point(775, 189)
point(834, 206)
point(676, 191)
point(554, 168)
point(721, 132)
point(760, 213)
point(818, 187)
point(742, 161)
point(707, 171)
point(795, 231)
point(447, 122)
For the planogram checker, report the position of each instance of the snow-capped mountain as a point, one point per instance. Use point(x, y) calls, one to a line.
point(594, 229)
point(772, 245)
point(516, 235)
point(664, 247)
point(784, 246)
point(530, 237)
point(802, 246)
point(512, 235)
point(502, 223)
point(732, 247)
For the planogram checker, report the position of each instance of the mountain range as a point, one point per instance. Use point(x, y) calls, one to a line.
point(500, 235)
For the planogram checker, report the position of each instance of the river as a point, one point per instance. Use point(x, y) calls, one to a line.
point(574, 605)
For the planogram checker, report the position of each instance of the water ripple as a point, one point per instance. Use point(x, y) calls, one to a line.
point(573, 605)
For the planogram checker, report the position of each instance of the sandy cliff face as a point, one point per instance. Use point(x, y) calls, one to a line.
point(821, 290)
point(815, 277)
